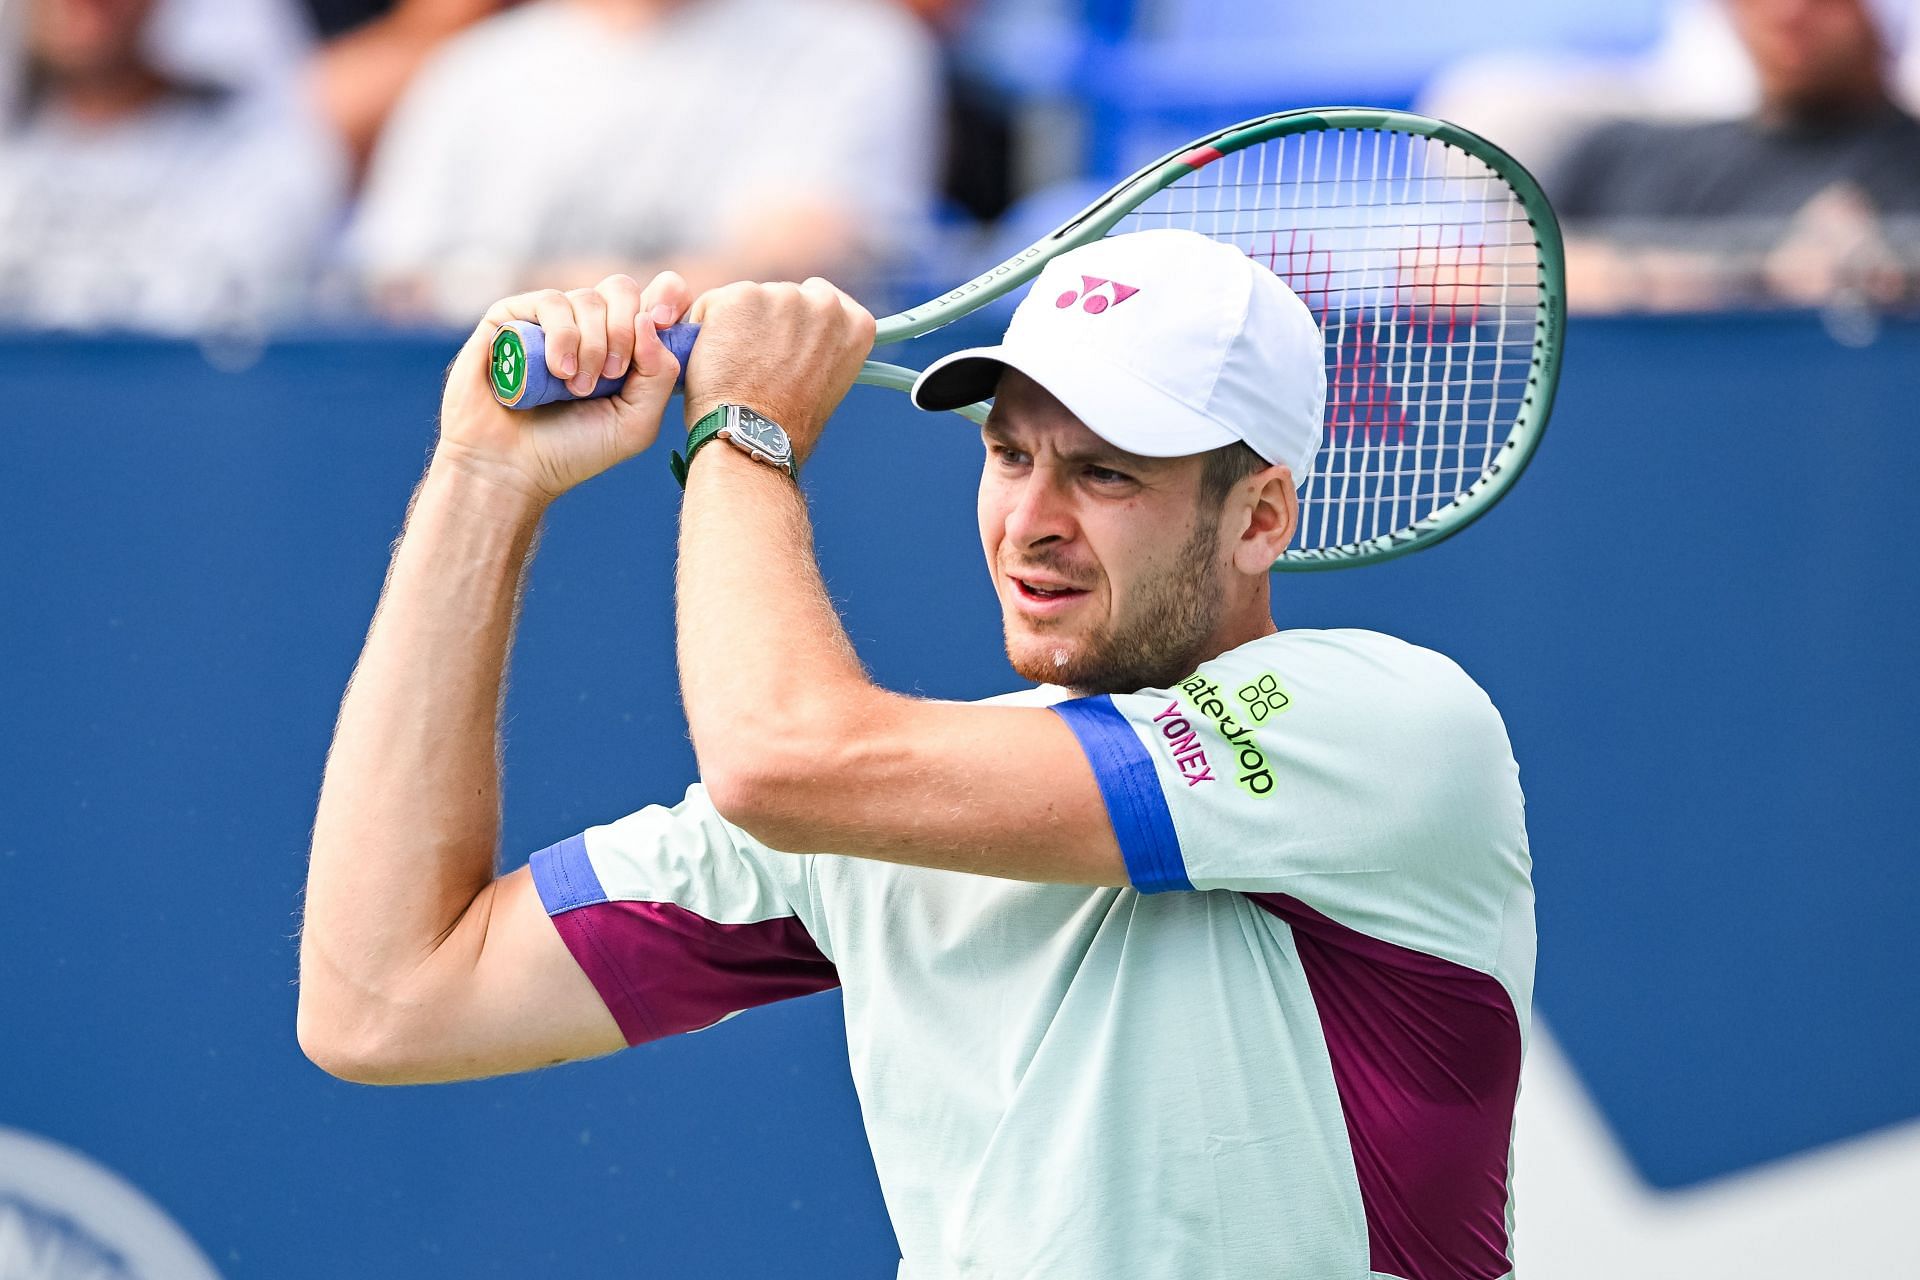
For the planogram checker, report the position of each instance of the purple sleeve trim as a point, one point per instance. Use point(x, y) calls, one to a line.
point(1426, 1060)
point(662, 969)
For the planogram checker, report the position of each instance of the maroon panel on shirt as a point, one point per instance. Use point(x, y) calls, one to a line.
point(1426, 1059)
point(663, 969)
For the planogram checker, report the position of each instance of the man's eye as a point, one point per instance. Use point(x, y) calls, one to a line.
point(1106, 475)
point(1009, 457)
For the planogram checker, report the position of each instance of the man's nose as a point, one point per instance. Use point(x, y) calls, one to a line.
point(1042, 512)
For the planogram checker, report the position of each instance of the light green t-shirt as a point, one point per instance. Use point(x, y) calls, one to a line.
point(1290, 1049)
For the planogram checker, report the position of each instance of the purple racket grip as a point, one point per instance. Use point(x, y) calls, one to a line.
point(536, 386)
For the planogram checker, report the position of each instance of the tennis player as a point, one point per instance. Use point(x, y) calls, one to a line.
point(1210, 956)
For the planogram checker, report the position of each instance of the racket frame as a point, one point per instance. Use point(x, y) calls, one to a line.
point(1093, 222)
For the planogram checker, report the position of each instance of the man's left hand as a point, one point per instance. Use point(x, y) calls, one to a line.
point(787, 351)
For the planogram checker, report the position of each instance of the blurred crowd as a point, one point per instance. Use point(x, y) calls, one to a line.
point(1763, 153)
point(193, 166)
point(184, 165)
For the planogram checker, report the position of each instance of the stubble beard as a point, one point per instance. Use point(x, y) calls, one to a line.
point(1162, 642)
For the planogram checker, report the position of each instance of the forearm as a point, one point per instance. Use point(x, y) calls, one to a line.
point(754, 614)
point(407, 827)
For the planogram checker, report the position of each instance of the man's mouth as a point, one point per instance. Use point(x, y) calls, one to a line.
point(1041, 591)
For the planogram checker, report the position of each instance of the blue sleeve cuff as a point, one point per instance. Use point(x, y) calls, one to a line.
point(564, 876)
point(1131, 789)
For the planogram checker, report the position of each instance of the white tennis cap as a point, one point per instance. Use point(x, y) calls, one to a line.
point(1164, 343)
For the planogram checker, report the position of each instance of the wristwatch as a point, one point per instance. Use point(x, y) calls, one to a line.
point(762, 438)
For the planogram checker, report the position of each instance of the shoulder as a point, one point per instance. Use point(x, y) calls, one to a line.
point(1342, 668)
point(1340, 766)
point(1356, 696)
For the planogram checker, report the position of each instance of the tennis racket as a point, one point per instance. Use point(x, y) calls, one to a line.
point(1430, 258)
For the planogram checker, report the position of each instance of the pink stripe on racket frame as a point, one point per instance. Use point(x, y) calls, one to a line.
point(1199, 157)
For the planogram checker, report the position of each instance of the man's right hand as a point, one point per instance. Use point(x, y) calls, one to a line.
point(606, 331)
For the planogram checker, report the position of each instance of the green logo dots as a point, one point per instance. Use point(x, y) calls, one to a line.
point(1263, 698)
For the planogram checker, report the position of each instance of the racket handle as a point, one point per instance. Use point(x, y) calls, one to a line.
point(518, 365)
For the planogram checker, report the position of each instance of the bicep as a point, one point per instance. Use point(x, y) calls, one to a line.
point(502, 993)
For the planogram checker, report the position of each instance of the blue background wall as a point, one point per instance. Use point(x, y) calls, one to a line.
point(1697, 613)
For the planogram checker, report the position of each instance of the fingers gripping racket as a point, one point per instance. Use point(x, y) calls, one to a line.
point(1429, 256)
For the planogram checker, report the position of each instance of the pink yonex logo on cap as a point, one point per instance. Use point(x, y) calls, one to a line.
point(1228, 351)
point(1095, 295)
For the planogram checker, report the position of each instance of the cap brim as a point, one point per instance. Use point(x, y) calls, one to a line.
point(1115, 403)
point(957, 380)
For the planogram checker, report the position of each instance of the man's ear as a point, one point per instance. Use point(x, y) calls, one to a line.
point(1270, 521)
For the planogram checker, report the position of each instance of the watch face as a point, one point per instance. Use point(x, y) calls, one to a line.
point(750, 428)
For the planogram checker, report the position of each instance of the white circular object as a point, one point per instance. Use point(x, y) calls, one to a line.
point(64, 1217)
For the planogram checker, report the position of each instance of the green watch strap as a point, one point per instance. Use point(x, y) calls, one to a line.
point(703, 432)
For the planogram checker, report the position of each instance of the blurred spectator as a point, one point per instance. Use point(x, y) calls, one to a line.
point(238, 44)
point(372, 51)
point(1537, 103)
point(567, 139)
point(136, 195)
point(976, 184)
point(1813, 195)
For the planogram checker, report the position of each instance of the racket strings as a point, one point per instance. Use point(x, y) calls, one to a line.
point(1423, 271)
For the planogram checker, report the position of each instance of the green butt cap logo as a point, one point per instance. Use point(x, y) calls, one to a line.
point(508, 365)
